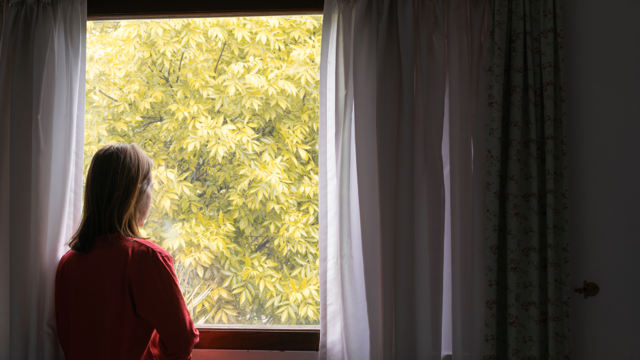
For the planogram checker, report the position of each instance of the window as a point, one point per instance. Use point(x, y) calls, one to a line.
point(228, 110)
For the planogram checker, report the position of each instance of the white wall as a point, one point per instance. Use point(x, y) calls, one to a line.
point(602, 83)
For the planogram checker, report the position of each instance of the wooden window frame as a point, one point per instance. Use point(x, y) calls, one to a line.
point(279, 338)
point(145, 9)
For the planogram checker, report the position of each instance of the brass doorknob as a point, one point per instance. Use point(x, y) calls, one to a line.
point(589, 289)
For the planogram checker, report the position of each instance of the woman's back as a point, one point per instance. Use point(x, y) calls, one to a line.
point(121, 300)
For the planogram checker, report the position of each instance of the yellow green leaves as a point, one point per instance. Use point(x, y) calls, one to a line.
point(227, 108)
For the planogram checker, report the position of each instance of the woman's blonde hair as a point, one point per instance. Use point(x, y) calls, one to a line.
point(117, 178)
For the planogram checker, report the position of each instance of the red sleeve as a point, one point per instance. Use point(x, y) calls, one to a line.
point(158, 300)
point(62, 322)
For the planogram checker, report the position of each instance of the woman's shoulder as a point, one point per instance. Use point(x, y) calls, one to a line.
point(141, 252)
point(146, 246)
point(149, 256)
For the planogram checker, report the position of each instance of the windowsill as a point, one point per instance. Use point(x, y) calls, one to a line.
point(253, 355)
point(243, 337)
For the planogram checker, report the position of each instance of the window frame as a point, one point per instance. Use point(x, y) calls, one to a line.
point(276, 338)
point(221, 337)
point(157, 9)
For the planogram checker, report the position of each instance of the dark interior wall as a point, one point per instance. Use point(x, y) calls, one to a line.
point(602, 83)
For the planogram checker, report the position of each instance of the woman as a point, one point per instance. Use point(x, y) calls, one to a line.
point(117, 295)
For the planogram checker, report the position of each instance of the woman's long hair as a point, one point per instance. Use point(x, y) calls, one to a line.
point(117, 178)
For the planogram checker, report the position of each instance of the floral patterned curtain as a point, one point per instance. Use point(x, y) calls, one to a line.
point(527, 307)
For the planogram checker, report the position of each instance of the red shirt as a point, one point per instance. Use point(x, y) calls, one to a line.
point(122, 301)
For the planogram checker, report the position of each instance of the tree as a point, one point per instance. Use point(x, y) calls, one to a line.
point(227, 108)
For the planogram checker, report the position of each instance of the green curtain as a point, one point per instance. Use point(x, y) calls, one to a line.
point(527, 270)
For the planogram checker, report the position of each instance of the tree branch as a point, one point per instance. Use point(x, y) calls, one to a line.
point(166, 80)
point(102, 92)
point(180, 67)
point(263, 244)
point(235, 118)
point(194, 173)
point(168, 143)
point(152, 121)
point(254, 239)
point(199, 174)
point(215, 71)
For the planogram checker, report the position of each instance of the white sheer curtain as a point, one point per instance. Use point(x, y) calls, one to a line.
point(401, 97)
point(42, 84)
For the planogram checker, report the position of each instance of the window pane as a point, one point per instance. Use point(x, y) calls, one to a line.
point(227, 108)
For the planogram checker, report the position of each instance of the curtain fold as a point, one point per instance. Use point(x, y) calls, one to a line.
point(391, 74)
point(344, 317)
point(466, 105)
point(42, 84)
point(526, 195)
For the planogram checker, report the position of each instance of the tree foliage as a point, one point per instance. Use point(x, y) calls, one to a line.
point(227, 108)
